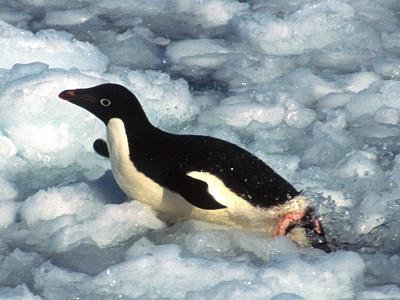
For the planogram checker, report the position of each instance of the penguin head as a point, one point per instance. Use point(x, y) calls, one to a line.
point(308, 231)
point(106, 101)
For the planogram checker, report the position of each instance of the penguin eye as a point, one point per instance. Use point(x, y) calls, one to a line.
point(105, 102)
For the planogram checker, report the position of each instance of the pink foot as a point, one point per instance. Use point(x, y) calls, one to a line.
point(285, 222)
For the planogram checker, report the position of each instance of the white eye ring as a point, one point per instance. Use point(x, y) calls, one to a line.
point(105, 102)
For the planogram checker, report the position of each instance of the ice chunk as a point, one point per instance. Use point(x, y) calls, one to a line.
point(68, 216)
point(300, 118)
point(17, 268)
point(390, 291)
point(212, 12)
point(8, 190)
point(391, 40)
point(298, 31)
point(241, 114)
point(390, 68)
point(166, 102)
point(208, 242)
point(243, 71)
point(166, 253)
point(367, 102)
point(262, 245)
point(330, 141)
point(333, 101)
point(21, 292)
point(8, 211)
point(303, 86)
point(287, 296)
point(135, 52)
point(68, 17)
point(284, 165)
point(7, 147)
point(339, 275)
point(361, 81)
point(373, 211)
point(39, 142)
point(381, 269)
point(141, 247)
point(341, 58)
point(57, 283)
point(57, 49)
point(204, 53)
point(107, 226)
point(359, 163)
point(387, 115)
point(148, 276)
point(69, 200)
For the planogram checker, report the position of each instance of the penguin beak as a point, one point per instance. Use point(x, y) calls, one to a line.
point(68, 95)
point(80, 97)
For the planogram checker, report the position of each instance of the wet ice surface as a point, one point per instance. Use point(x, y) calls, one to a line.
point(312, 88)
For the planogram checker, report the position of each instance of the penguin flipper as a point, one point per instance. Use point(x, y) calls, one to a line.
point(100, 146)
point(194, 191)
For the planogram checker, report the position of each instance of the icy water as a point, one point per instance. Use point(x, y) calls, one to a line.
point(310, 87)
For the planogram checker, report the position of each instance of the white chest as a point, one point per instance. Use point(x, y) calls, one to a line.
point(135, 184)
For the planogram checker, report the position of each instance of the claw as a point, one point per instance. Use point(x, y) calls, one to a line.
point(286, 221)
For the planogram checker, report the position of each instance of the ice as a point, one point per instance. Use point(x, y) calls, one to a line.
point(311, 27)
point(68, 18)
point(300, 118)
point(287, 296)
point(389, 68)
point(361, 81)
point(47, 205)
point(345, 275)
point(8, 212)
point(369, 101)
point(387, 115)
point(383, 292)
point(208, 242)
point(8, 190)
point(312, 89)
point(214, 12)
point(241, 114)
point(198, 54)
point(76, 216)
point(360, 164)
point(136, 52)
point(243, 71)
point(141, 247)
point(7, 147)
point(17, 268)
point(21, 292)
point(57, 49)
point(382, 269)
point(165, 101)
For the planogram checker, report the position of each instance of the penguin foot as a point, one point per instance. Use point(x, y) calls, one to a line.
point(286, 221)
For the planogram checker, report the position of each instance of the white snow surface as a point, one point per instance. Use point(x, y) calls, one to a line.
point(310, 87)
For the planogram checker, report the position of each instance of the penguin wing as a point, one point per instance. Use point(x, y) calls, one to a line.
point(193, 190)
point(100, 146)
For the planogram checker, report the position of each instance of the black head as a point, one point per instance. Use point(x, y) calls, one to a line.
point(106, 101)
point(314, 233)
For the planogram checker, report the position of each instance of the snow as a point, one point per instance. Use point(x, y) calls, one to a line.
point(311, 88)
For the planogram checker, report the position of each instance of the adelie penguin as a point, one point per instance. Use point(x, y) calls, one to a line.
point(193, 176)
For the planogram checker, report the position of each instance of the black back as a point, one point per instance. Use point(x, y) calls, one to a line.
point(160, 155)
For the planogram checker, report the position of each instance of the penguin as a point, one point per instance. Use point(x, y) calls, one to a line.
point(192, 176)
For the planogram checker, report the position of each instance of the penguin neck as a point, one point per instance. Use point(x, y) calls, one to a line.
point(136, 122)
